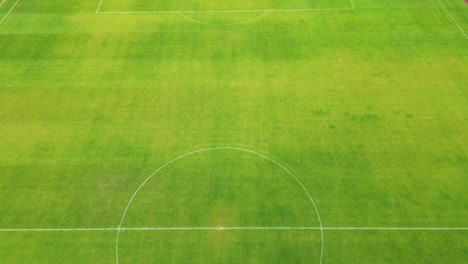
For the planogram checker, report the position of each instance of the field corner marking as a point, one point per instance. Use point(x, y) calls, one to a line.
point(336, 228)
point(264, 11)
point(9, 11)
point(453, 19)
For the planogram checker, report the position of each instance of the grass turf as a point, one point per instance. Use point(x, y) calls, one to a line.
point(367, 107)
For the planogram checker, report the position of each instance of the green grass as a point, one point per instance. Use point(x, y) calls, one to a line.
point(221, 246)
point(209, 6)
point(367, 107)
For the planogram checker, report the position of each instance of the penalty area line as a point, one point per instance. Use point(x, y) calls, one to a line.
point(222, 228)
point(224, 11)
point(399, 228)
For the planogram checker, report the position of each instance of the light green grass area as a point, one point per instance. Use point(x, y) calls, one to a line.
point(367, 107)
point(220, 246)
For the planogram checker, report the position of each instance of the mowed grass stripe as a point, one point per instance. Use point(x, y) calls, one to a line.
point(227, 228)
point(367, 106)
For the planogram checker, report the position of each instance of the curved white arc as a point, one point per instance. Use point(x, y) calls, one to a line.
point(119, 228)
point(453, 19)
point(136, 192)
point(337, 228)
point(224, 24)
point(303, 187)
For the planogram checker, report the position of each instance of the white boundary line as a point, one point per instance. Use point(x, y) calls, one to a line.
point(399, 228)
point(223, 11)
point(222, 228)
point(1, 3)
point(453, 19)
point(210, 149)
point(9, 11)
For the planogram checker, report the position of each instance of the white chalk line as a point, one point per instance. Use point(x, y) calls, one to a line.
point(98, 10)
point(224, 24)
point(453, 19)
point(182, 13)
point(224, 228)
point(224, 11)
point(9, 11)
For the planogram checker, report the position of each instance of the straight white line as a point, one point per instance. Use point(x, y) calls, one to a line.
point(223, 11)
point(2, 3)
point(352, 4)
point(398, 228)
point(9, 11)
point(293, 228)
point(99, 6)
point(453, 19)
point(220, 228)
point(225, 24)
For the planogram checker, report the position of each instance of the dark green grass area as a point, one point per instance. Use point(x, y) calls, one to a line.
point(367, 107)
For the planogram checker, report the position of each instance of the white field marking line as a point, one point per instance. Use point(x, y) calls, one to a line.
point(218, 148)
point(225, 24)
point(2, 3)
point(221, 11)
point(453, 19)
point(294, 228)
point(221, 228)
point(9, 11)
point(99, 6)
point(399, 228)
point(226, 11)
point(55, 229)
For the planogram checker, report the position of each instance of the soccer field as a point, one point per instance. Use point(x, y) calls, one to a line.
point(144, 131)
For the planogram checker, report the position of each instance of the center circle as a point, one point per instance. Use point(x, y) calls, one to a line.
point(217, 202)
